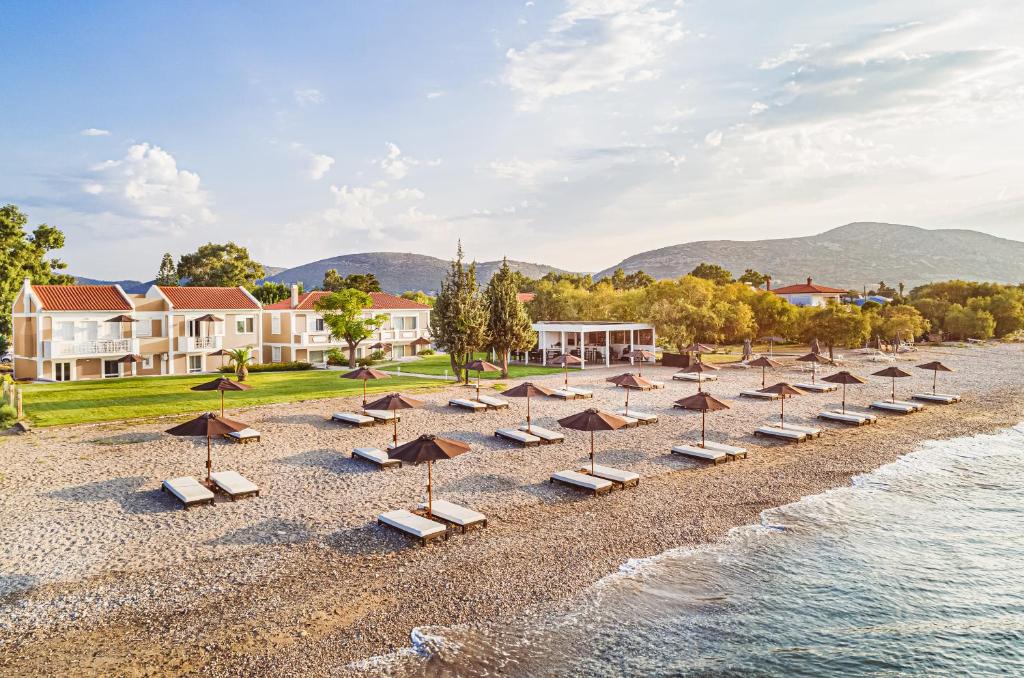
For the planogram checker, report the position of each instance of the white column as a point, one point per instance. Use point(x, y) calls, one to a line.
point(543, 347)
point(562, 342)
point(607, 348)
point(169, 321)
point(583, 352)
point(632, 343)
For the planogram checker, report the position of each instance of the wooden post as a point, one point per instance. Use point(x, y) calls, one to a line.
point(21, 411)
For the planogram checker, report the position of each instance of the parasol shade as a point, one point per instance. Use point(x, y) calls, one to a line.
point(392, 402)
point(935, 366)
point(364, 374)
point(131, 358)
point(630, 381)
point(122, 319)
point(208, 425)
point(209, 318)
point(702, 402)
point(844, 378)
point(592, 420)
point(221, 384)
point(429, 448)
point(764, 362)
point(527, 390)
point(786, 391)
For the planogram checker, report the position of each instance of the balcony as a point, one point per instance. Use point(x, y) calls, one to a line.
point(199, 344)
point(316, 339)
point(89, 348)
point(390, 335)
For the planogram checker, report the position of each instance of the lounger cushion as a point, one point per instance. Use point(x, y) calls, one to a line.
point(809, 430)
point(491, 401)
point(384, 415)
point(374, 455)
point(645, 417)
point(244, 434)
point(410, 523)
point(691, 376)
point(945, 398)
point(776, 432)
point(188, 490)
point(581, 392)
point(699, 452)
point(544, 434)
point(467, 404)
point(722, 447)
point(848, 417)
point(615, 475)
point(564, 394)
point(817, 388)
point(453, 513)
point(233, 483)
point(517, 436)
point(759, 394)
point(352, 418)
point(582, 480)
point(901, 407)
point(657, 384)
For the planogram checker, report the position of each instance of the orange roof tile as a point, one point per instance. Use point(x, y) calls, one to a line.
point(201, 298)
point(525, 297)
point(81, 298)
point(808, 288)
point(381, 301)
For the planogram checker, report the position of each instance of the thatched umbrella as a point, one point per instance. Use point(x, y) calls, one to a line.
point(222, 353)
point(131, 359)
point(698, 348)
point(844, 378)
point(893, 372)
point(565, 360)
point(786, 391)
point(365, 374)
point(394, 402)
point(814, 359)
point(208, 425)
point(771, 343)
point(699, 368)
point(639, 356)
point(527, 390)
point(702, 402)
point(221, 384)
point(592, 420)
point(629, 382)
point(429, 448)
point(764, 362)
point(935, 366)
point(479, 366)
point(419, 341)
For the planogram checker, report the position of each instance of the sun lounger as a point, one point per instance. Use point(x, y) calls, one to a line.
point(423, 529)
point(383, 415)
point(564, 394)
point(630, 421)
point(234, 485)
point(783, 433)
point(703, 453)
point(656, 384)
point(516, 436)
point(375, 456)
point(353, 419)
point(817, 388)
point(941, 398)
point(641, 417)
point(582, 481)
point(492, 402)
point(580, 392)
point(246, 435)
point(459, 516)
point(899, 407)
point(759, 394)
point(731, 451)
point(617, 477)
point(471, 405)
point(811, 431)
point(852, 418)
point(692, 376)
point(187, 490)
point(546, 437)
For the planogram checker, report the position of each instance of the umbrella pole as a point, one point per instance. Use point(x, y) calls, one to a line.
point(935, 379)
point(364, 394)
point(478, 385)
point(627, 401)
point(762, 376)
point(894, 389)
point(209, 460)
point(430, 491)
point(591, 453)
point(782, 413)
point(394, 418)
point(528, 429)
point(222, 403)
point(566, 366)
point(844, 397)
point(703, 414)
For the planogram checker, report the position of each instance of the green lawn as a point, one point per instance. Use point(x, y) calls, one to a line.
point(80, 402)
point(437, 364)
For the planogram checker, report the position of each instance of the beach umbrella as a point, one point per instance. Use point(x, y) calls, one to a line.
point(748, 350)
point(527, 390)
point(121, 319)
point(208, 425)
point(893, 372)
point(392, 403)
point(935, 366)
point(131, 358)
point(592, 420)
point(221, 384)
point(814, 359)
point(844, 378)
point(429, 448)
point(786, 391)
point(639, 356)
point(699, 368)
point(222, 353)
point(698, 348)
point(771, 343)
point(702, 402)
point(479, 366)
point(565, 360)
point(419, 341)
point(764, 362)
point(630, 381)
point(365, 374)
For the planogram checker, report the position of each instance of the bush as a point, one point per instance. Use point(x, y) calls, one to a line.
point(272, 367)
point(426, 351)
point(8, 415)
point(364, 362)
point(377, 356)
point(336, 356)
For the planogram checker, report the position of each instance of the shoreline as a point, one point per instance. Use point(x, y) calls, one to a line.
point(312, 607)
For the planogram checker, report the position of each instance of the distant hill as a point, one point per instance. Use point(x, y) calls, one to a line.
point(129, 286)
point(397, 272)
point(849, 256)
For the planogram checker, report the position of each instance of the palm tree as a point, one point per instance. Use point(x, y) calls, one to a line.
point(240, 358)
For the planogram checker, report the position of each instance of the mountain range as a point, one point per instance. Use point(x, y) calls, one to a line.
point(851, 256)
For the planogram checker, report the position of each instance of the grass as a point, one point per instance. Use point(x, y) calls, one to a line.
point(99, 400)
point(437, 364)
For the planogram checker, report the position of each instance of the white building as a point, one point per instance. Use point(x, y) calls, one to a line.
point(593, 342)
point(809, 294)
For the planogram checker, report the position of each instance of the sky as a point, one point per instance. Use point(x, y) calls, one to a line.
point(572, 133)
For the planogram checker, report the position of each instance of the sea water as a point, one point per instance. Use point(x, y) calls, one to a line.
point(916, 569)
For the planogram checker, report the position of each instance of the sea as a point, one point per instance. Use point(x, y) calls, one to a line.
point(915, 569)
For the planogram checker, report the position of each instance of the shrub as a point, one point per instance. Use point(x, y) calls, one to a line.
point(377, 355)
point(364, 362)
point(273, 367)
point(499, 387)
point(336, 356)
point(8, 415)
point(426, 351)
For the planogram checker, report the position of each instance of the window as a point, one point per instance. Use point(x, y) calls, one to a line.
point(407, 322)
point(275, 354)
point(195, 364)
point(316, 357)
point(275, 324)
point(245, 325)
point(147, 362)
point(62, 371)
point(318, 324)
point(111, 368)
point(144, 328)
point(66, 331)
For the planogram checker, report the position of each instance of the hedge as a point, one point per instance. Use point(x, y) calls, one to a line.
point(272, 367)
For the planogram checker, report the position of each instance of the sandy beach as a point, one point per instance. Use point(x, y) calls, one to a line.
point(102, 574)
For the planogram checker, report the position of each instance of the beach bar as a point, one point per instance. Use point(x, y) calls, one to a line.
point(593, 342)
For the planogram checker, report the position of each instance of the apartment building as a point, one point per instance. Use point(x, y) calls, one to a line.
point(294, 330)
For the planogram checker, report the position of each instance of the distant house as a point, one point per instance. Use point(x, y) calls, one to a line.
point(809, 294)
point(525, 297)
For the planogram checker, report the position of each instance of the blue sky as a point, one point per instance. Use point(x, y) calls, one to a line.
point(572, 133)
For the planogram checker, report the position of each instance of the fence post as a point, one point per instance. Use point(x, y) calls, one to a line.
point(21, 412)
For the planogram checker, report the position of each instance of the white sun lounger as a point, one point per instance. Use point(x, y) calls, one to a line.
point(516, 436)
point(898, 407)
point(656, 384)
point(246, 435)
point(852, 418)
point(811, 431)
point(630, 421)
point(783, 433)
point(941, 398)
point(423, 529)
point(459, 516)
point(492, 402)
point(383, 415)
point(692, 376)
point(582, 481)
point(471, 405)
point(618, 478)
point(642, 417)
point(759, 394)
point(546, 437)
point(564, 394)
point(580, 392)
point(817, 388)
point(353, 419)
point(731, 451)
point(705, 453)
point(375, 456)
point(187, 490)
point(234, 484)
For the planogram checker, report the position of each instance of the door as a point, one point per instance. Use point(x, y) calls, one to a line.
point(316, 357)
point(62, 371)
point(398, 351)
point(111, 368)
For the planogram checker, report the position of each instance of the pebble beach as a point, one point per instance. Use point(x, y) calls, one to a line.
point(103, 574)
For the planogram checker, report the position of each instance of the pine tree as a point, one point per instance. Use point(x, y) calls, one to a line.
point(168, 274)
point(508, 324)
point(458, 324)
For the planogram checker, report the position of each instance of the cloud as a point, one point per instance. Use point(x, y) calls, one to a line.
point(436, 95)
point(396, 165)
point(713, 138)
point(319, 165)
point(95, 132)
point(594, 45)
point(523, 172)
point(308, 97)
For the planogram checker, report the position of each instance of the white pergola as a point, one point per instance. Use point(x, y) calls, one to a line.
point(595, 341)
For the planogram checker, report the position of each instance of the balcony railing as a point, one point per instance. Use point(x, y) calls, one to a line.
point(315, 338)
point(97, 347)
point(198, 344)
